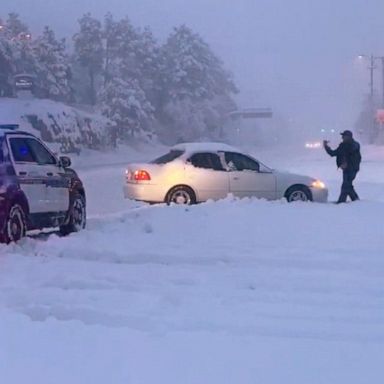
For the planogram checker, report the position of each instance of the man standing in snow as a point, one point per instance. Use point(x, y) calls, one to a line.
point(348, 158)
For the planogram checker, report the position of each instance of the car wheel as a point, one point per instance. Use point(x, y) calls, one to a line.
point(181, 195)
point(77, 216)
point(15, 225)
point(298, 193)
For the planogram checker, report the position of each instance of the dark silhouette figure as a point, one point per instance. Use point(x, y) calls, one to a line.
point(348, 158)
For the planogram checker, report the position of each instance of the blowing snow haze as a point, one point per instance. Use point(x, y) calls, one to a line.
point(297, 56)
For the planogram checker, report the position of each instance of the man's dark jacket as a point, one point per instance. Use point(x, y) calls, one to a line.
point(347, 154)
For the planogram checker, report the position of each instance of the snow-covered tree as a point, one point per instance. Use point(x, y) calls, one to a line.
point(123, 71)
point(125, 103)
point(53, 72)
point(15, 52)
point(121, 40)
point(122, 96)
point(14, 28)
point(197, 89)
point(19, 42)
point(7, 65)
point(192, 69)
point(149, 63)
point(89, 52)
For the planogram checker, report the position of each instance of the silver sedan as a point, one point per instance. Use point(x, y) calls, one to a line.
point(197, 172)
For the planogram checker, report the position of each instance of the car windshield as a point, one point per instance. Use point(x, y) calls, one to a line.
point(168, 157)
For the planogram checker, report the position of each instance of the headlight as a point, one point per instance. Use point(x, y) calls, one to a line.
point(313, 145)
point(318, 184)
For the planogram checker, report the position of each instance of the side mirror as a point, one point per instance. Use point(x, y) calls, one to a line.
point(65, 161)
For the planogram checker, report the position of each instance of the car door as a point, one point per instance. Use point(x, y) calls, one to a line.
point(57, 185)
point(30, 176)
point(247, 178)
point(207, 176)
point(39, 175)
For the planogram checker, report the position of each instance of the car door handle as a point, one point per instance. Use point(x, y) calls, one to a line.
point(49, 174)
point(22, 173)
point(235, 178)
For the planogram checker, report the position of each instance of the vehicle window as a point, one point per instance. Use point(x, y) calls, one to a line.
point(168, 157)
point(21, 151)
point(206, 161)
point(41, 154)
point(240, 162)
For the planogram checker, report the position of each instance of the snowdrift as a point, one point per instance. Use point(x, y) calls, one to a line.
point(56, 122)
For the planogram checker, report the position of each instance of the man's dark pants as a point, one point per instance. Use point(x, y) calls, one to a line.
point(347, 186)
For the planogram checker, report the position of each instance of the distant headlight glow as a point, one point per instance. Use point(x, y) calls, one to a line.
point(313, 145)
point(318, 184)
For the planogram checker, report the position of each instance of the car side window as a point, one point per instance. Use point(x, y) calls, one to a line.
point(240, 162)
point(21, 151)
point(207, 161)
point(41, 154)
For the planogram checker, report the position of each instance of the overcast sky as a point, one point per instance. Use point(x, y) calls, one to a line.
point(297, 56)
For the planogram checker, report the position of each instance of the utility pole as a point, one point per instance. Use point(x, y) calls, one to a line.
point(371, 100)
point(382, 78)
point(373, 131)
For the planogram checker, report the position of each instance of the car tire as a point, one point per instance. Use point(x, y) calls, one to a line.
point(77, 216)
point(298, 193)
point(15, 227)
point(181, 195)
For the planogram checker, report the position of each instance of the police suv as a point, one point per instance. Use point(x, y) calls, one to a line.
point(37, 189)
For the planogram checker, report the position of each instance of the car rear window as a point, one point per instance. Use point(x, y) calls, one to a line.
point(168, 157)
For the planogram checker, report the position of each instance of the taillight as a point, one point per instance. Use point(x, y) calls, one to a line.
point(141, 176)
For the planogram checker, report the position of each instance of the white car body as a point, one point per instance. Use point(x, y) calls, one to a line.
point(156, 183)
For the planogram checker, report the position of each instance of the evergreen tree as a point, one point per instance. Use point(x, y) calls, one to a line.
point(53, 72)
point(120, 42)
point(197, 90)
point(15, 29)
point(7, 67)
point(89, 52)
point(192, 70)
point(15, 52)
point(122, 97)
point(19, 40)
point(149, 62)
point(125, 103)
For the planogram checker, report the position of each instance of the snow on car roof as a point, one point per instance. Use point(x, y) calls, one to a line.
point(194, 147)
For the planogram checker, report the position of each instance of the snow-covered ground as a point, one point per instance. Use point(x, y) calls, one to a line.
point(229, 292)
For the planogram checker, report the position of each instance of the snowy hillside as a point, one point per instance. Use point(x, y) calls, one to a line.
point(229, 292)
point(55, 122)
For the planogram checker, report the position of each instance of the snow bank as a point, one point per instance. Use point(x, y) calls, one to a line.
point(54, 121)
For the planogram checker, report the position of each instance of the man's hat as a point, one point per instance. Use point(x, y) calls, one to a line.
point(346, 134)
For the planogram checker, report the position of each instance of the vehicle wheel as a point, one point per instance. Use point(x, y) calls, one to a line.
point(77, 217)
point(15, 225)
point(181, 195)
point(298, 193)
